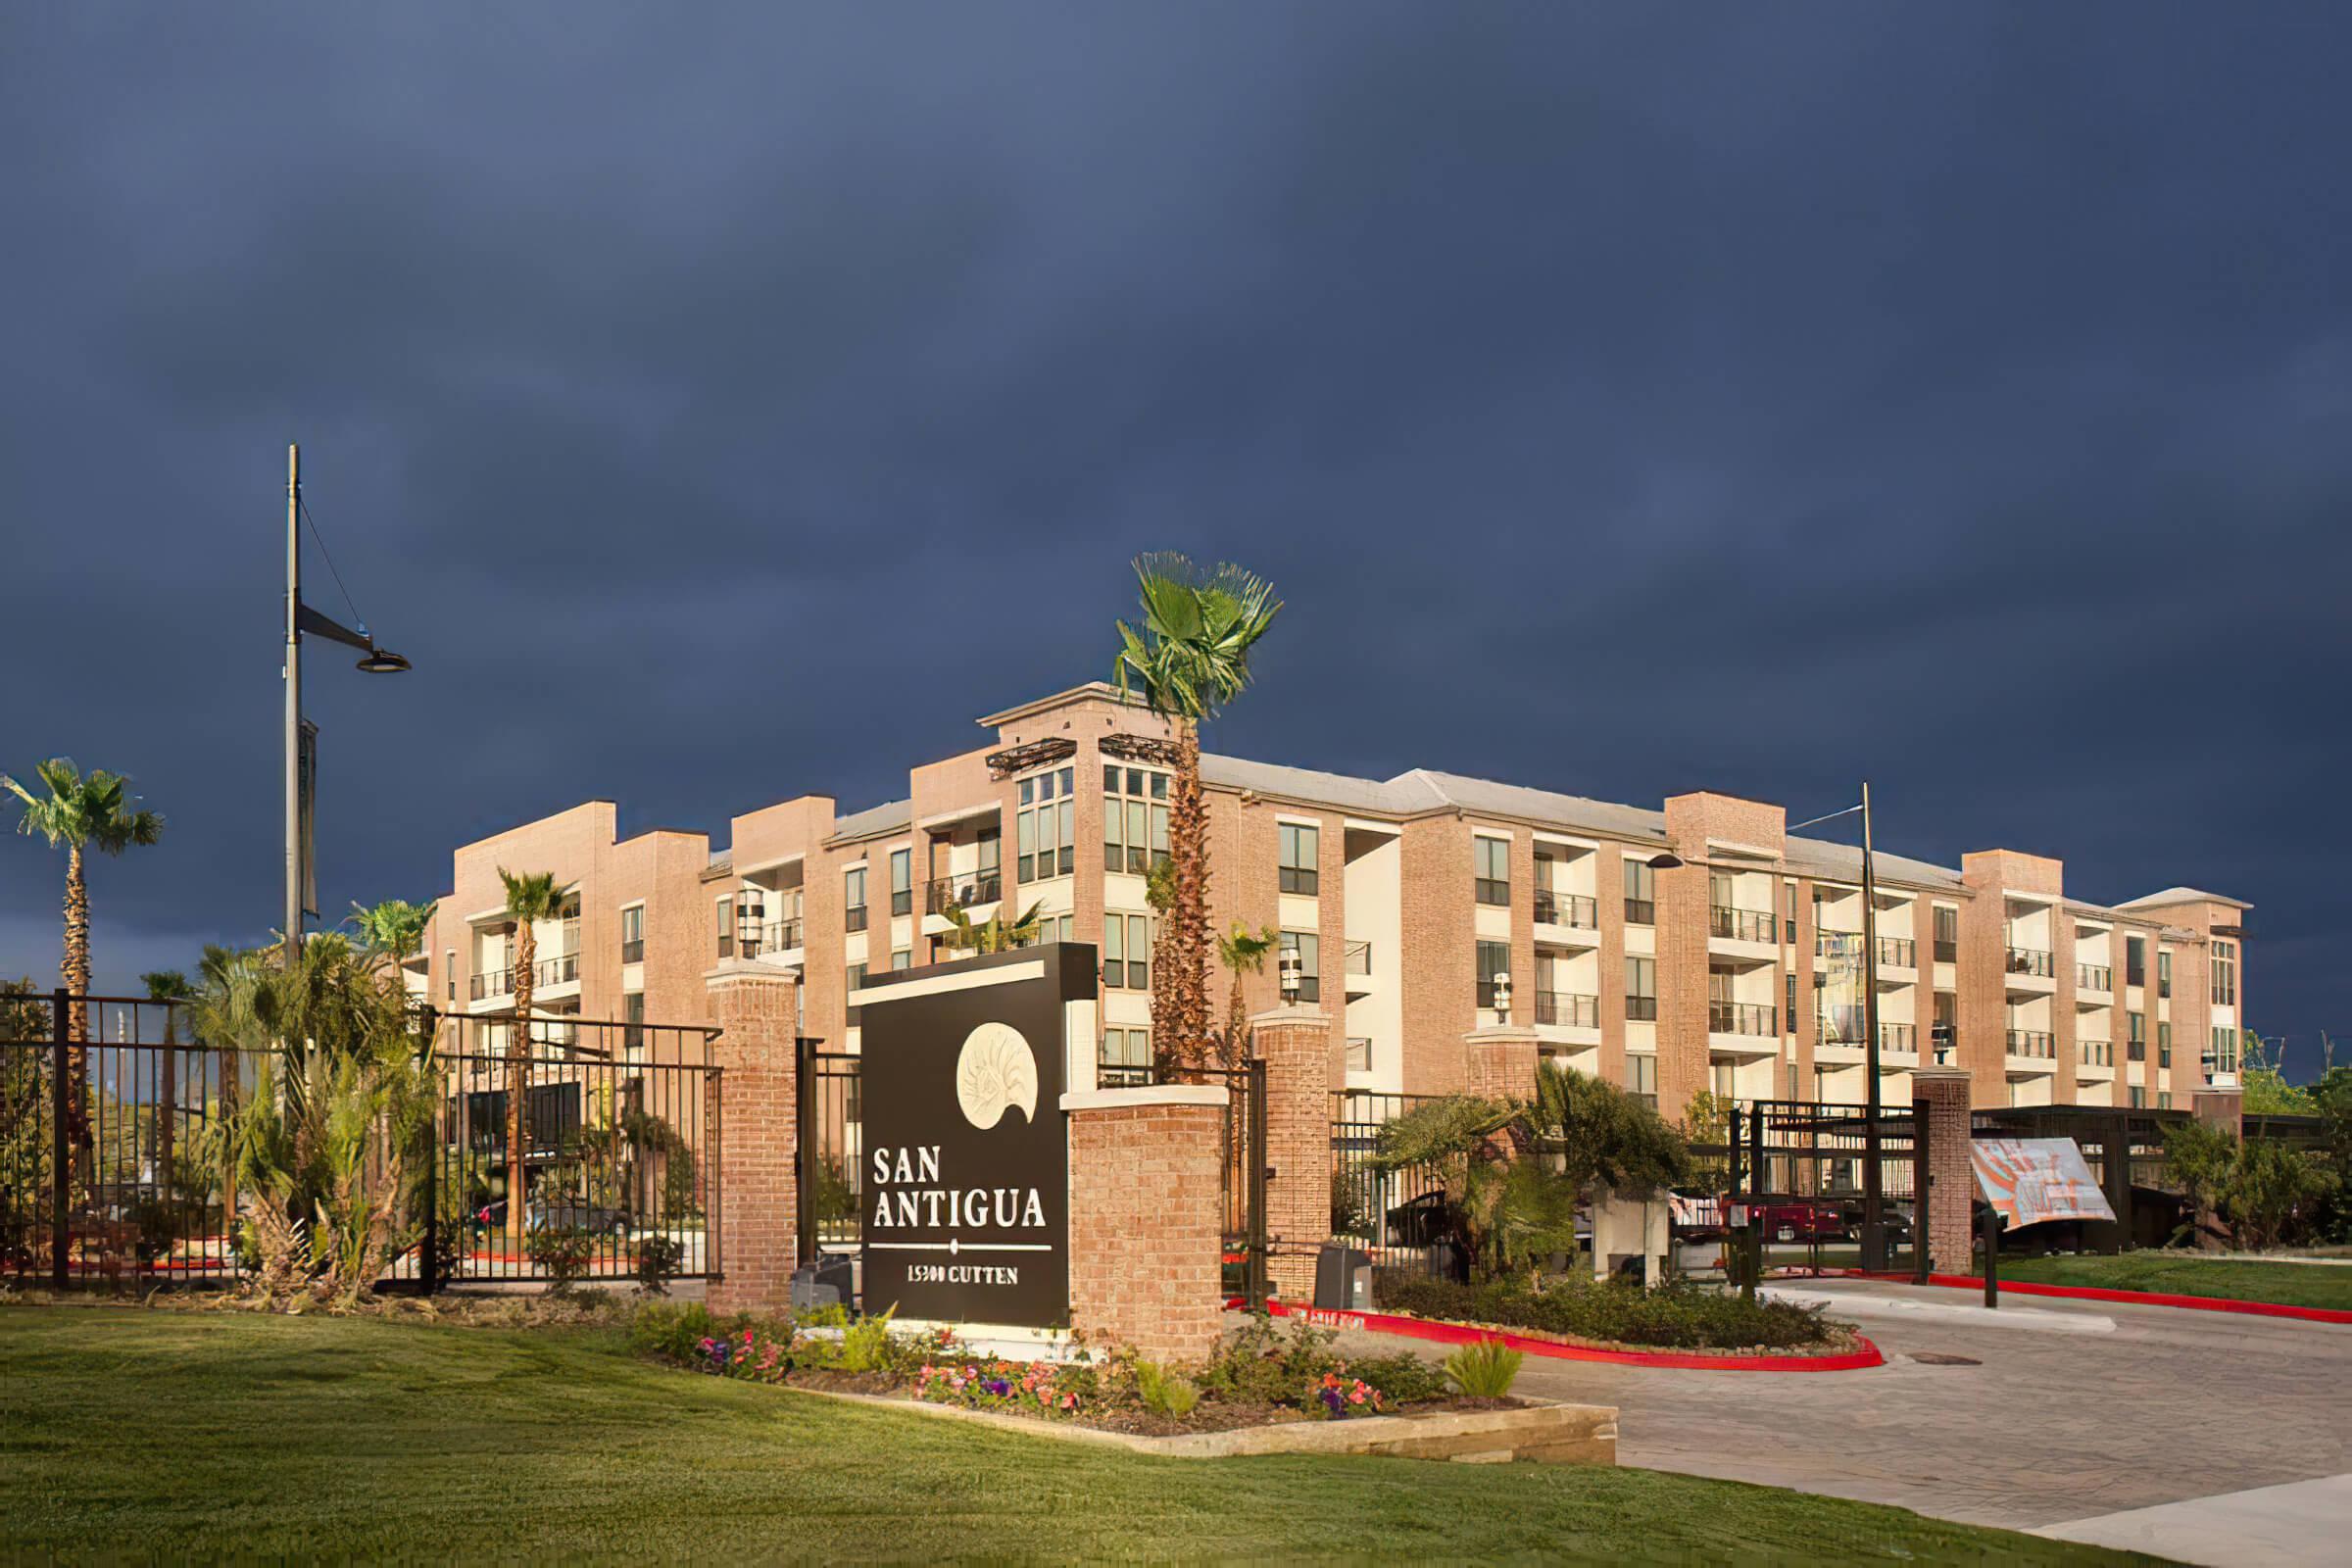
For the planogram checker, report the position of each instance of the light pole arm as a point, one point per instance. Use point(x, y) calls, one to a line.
point(318, 625)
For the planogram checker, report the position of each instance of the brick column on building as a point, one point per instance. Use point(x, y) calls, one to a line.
point(1147, 1218)
point(1303, 1068)
point(757, 1009)
point(1503, 1061)
point(1939, 1097)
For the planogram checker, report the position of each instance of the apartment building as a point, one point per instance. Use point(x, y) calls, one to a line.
point(1696, 947)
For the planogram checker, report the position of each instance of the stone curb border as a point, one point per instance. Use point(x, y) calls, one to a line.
point(2100, 1293)
point(1416, 1328)
point(1544, 1431)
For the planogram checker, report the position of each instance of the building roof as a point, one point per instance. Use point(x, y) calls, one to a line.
point(888, 818)
point(2157, 900)
point(1102, 690)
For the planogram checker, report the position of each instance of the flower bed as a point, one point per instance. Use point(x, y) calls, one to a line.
point(1619, 1315)
point(1260, 1376)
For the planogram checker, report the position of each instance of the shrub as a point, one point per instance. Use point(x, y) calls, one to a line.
point(658, 1259)
point(1678, 1315)
point(671, 1329)
point(1258, 1364)
point(1484, 1370)
point(865, 1343)
point(1165, 1393)
point(1404, 1378)
point(562, 1253)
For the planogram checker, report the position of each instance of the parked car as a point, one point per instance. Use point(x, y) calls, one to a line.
point(576, 1214)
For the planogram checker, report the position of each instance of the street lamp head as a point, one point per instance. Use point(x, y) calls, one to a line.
point(1666, 861)
point(383, 661)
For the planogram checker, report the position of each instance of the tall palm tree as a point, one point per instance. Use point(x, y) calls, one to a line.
point(1243, 951)
point(1190, 656)
point(80, 812)
point(530, 898)
point(392, 930)
point(171, 988)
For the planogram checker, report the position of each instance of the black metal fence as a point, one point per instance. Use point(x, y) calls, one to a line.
point(112, 1166)
point(1396, 1217)
point(1796, 1170)
point(1241, 1163)
point(832, 1147)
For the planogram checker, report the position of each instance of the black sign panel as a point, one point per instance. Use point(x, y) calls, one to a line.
point(967, 1201)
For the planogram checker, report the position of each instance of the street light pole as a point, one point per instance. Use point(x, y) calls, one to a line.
point(1873, 1230)
point(293, 676)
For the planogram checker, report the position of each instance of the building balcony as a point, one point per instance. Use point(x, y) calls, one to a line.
point(1569, 912)
point(1897, 953)
point(2096, 1057)
point(2030, 972)
point(966, 891)
point(1894, 1038)
point(492, 983)
point(1743, 925)
point(1567, 1009)
point(1744, 1028)
point(2031, 1044)
point(774, 939)
point(1357, 968)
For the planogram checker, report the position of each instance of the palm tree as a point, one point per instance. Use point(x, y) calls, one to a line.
point(1243, 950)
point(532, 896)
point(82, 811)
point(169, 987)
point(392, 930)
point(1189, 655)
point(995, 934)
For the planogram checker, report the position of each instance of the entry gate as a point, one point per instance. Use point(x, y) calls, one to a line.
point(1798, 1168)
point(831, 1160)
point(1242, 1159)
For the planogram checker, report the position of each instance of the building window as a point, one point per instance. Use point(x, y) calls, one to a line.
point(2164, 971)
point(1125, 1060)
point(856, 977)
point(1494, 958)
point(1127, 952)
point(1310, 963)
point(449, 970)
point(901, 958)
point(1719, 1079)
point(902, 881)
point(2140, 1098)
point(1135, 819)
point(2135, 961)
point(1301, 851)
point(1642, 1079)
point(632, 1022)
point(1790, 1014)
point(726, 927)
point(852, 898)
point(1045, 827)
point(1640, 893)
point(1947, 933)
point(1642, 988)
point(2225, 1050)
point(2135, 1027)
point(2164, 1099)
point(1493, 862)
point(2164, 1043)
point(632, 934)
point(2225, 974)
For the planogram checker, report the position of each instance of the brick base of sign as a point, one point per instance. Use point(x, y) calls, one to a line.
point(1146, 1218)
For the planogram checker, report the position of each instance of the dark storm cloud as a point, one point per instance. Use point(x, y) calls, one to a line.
point(1626, 402)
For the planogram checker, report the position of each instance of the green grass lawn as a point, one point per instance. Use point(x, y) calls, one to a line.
point(2187, 1274)
point(151, 1434)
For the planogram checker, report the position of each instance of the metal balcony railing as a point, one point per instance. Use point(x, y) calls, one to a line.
point(964, 891)
point(561, 969)
point(2034, 1043)
point(1572, 909)
point(773, 936)
point(1743, 925)
point(1898, 953)
point(1743, 1018)
point(492, 983)
point(2094, 977)
point(2034, 961)
point(2097, 1052)
point(1568, 1008)
point(1828, 943)
point(1894, 1038)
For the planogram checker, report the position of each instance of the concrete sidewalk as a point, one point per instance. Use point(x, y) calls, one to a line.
point(2301, 1522)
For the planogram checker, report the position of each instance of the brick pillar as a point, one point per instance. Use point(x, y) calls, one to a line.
point(1503, 1061)
point(1303, 1068)
point(2219, 1108)
point(755, 1007)
point(1147, 1218)
point(1939, 1097)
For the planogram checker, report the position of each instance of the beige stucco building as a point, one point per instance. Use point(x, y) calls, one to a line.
point(1734, 966)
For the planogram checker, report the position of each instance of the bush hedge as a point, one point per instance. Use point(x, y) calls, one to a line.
point(1678, 1315)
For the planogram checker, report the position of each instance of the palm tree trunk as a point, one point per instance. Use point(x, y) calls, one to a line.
point(518, 1057)
point(75, 973)
point(1186, 982)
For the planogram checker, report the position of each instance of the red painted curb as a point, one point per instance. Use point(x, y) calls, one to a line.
point(2100, 1293)
point(1416, 1328)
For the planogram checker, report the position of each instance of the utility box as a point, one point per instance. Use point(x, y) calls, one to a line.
point(822, 1282)
point(1342, 1278)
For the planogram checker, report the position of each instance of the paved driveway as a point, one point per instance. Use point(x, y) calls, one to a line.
point(2052, 1427)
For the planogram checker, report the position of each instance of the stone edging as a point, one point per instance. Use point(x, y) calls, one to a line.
point(1443, 1333)
point(1540, 1429)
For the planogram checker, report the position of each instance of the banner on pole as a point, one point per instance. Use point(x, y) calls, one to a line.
point(2029, 1180)
point(309, 771)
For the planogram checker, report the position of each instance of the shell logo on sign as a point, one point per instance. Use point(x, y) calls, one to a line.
point(994, 1072)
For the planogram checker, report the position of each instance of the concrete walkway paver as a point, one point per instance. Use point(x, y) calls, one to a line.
point(2047, 1428)
point(2301, 1522)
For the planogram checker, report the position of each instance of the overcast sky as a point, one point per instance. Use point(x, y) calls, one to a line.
point(723, 403)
